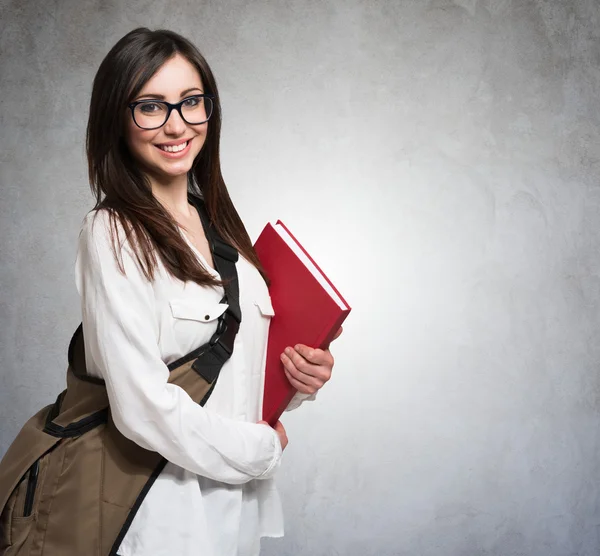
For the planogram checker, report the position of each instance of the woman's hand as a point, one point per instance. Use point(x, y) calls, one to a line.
point(278, 428)
point(308, 369)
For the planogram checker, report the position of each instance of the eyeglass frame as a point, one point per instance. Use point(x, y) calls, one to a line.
point(177, 106)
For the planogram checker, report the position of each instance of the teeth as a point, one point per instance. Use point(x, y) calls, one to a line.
point(175, 149)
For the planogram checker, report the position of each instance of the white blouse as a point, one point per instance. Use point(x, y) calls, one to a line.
point(216, 496)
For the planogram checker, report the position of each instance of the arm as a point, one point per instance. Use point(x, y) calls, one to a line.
point(121, 345)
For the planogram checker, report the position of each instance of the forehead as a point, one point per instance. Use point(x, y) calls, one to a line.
point(172, 77)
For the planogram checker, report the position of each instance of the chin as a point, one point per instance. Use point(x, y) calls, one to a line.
point(174, 168)
point(172, 172)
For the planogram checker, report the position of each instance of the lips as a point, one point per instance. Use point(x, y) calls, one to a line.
point(179, 150)
point(172, 143)
point(174, 149)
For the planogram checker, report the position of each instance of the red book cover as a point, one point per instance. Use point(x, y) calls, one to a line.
point(308, 309)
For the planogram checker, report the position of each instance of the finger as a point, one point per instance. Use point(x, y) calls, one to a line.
point(282, 434)
point(327, 359)
point(292, 370)
point(300, 386)
point(304, 371)
point(316, 356)
point(312, 355)
point(320, 366)
point(303, 382)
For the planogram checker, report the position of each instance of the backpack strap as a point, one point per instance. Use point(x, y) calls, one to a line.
point(210, 358)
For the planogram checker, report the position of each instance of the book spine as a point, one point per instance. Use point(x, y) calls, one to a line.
point(327, 334)
point(272, 419)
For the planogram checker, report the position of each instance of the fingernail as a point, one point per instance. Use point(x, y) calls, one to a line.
point(288, 350)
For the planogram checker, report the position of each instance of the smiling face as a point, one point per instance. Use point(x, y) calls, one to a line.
point(158, 150)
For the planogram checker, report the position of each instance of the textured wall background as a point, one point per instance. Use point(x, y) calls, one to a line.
point(441, 160)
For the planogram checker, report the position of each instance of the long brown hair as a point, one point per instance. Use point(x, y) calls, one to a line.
point(121, 187)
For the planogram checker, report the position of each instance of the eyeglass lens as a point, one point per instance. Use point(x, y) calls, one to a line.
point(153, 113)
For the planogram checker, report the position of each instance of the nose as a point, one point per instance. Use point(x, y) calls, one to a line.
point(175, 125)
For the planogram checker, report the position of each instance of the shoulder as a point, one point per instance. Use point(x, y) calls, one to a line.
point(100, 230)
point(103, 243)
point(96, 223)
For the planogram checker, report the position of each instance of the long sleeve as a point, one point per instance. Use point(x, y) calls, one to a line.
point(121, 341)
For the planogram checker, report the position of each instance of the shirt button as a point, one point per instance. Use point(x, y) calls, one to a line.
point(206, 317)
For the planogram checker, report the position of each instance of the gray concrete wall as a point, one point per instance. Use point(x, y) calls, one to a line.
point(441, 160)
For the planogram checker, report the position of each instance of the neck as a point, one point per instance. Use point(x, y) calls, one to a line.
point(173, 195)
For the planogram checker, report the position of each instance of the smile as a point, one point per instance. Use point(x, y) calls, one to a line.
point(173, 148)
point(175, 151)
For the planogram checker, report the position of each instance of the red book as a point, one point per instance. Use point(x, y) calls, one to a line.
point(308, 309)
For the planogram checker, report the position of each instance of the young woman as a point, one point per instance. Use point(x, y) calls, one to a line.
point(153, 147)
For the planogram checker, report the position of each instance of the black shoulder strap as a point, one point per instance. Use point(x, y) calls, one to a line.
point(224, 256)
point(211, 357)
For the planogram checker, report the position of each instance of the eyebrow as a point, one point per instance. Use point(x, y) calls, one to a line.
point(162, 97)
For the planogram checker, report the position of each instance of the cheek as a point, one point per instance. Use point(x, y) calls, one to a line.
point(200, 140)
point(139, 145)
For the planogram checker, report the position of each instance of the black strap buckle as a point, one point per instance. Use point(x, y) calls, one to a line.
point(226, 331)
point(224, 250)
point(218, 349)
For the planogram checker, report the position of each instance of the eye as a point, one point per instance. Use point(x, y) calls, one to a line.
point(192, 102)
point(149, 107)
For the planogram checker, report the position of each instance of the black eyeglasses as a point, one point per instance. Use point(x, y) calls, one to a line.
point(152, 114)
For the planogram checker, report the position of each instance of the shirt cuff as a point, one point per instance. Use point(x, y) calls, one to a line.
point(299, 398)
point(276, 459)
